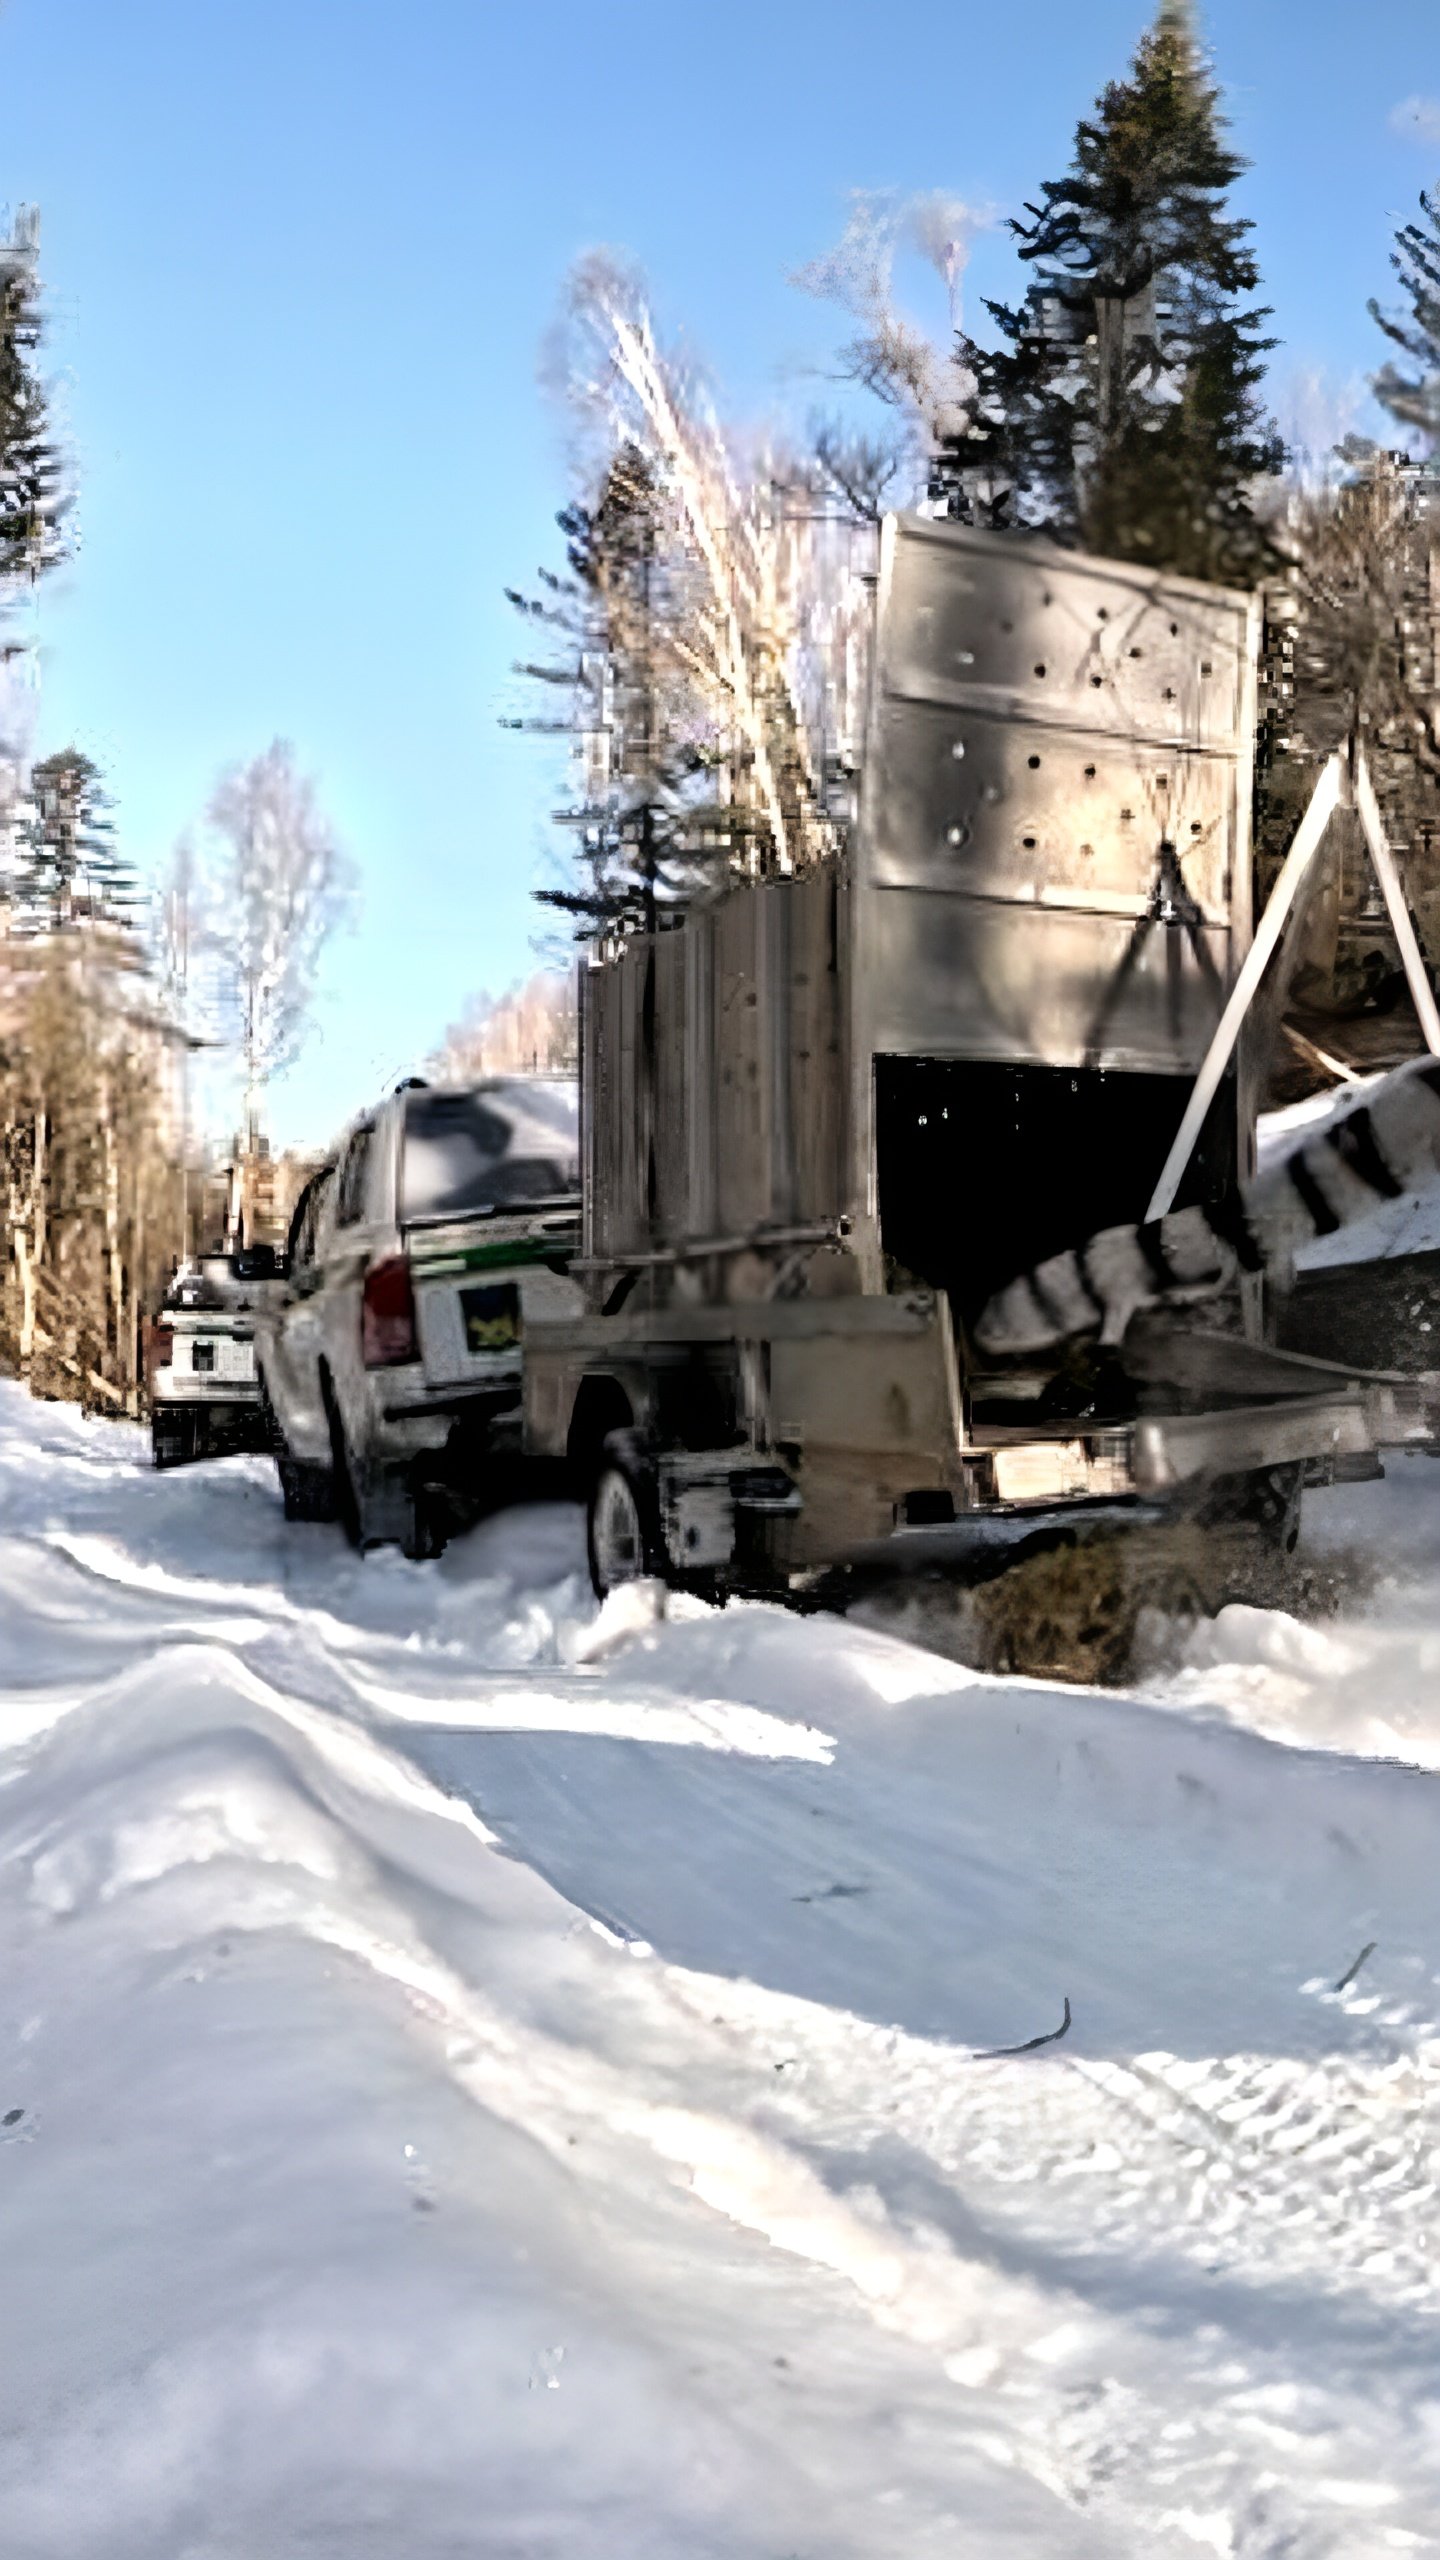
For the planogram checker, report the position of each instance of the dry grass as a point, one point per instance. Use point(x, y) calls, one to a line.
point(1097, 1612)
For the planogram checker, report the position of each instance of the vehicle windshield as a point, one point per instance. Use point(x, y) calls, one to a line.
point(215, 1280)
point(498, 1147)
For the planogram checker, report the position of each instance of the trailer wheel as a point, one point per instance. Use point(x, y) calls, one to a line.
point(622, 1523)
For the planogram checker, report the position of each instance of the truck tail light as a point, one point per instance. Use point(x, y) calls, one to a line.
point(162, 1346)
point(387, 1314)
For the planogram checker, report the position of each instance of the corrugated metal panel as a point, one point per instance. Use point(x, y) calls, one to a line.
point(720, 1094)
point(817, 1088)
point(1010, 901)
point(1055, 845)
point(742, 1166)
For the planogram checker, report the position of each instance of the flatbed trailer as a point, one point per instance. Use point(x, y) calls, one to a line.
point(826, 1115)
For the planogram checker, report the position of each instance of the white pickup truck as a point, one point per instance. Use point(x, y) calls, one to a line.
point(389, 1358)
point(204, 1401)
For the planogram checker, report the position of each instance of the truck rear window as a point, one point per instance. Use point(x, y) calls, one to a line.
point(503, 1146)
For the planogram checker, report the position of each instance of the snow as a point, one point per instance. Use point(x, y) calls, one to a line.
point(480, 2075)
point(1410, 1224)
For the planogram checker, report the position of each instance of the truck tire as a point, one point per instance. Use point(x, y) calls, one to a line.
point(378, 1507)
point(623, 1540)
point(351, 1510)
point(173, 1437)
point(307, 1491)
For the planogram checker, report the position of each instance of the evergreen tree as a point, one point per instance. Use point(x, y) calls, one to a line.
point(31, 503)
point(69, 870)
point(645, 818)
point(1122, 410)
point(1412, 399)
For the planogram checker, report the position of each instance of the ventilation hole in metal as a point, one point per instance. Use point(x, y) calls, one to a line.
point(1034, 762)
point(1029, 843)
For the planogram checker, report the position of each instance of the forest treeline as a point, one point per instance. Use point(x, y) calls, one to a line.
point(701, 644)
point(114, 995)
point(702, 637)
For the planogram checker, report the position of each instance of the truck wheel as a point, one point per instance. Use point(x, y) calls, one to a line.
point(169, 1439)
point(177, 1435)
point(377, 1507)
point(350, 1508)
point(307, 1492)
point(622, 1525)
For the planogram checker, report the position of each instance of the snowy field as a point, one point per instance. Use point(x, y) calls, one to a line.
point(476, 2080)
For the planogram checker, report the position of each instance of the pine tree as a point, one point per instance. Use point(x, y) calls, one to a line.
point(31, 500)
point(1414, 400)
point(1122, 411)
point(69, 870)
point(644, 819)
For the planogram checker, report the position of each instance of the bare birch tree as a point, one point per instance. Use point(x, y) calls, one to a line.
point(277, 884)
point(530, 1030)
point(90, 1202)
point(712, 627)
point(920, 378)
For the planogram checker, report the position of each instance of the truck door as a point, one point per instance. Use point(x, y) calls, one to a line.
point(296, 1341)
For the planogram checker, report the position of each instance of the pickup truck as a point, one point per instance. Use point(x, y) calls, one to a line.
point(204, 1400)
point(389, 1358)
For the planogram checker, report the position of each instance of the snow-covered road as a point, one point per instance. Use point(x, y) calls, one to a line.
point(476, 2080)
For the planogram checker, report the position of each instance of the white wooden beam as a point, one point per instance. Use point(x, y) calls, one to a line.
point(1386, 872)
point(1324, 800)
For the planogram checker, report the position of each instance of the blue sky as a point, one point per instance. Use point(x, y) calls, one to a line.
point(300, 255)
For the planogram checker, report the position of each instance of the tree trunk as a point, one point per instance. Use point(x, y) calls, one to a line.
point(31, 1233)
point(115, 1267)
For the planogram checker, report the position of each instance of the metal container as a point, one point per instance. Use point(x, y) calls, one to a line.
point(1050, 873)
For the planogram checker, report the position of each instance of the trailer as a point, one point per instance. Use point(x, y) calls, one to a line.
point(826, 1115)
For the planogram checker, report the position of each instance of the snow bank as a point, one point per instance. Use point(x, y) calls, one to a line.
point(286, 2266)
point(475, 2077)
point(1367, 1682)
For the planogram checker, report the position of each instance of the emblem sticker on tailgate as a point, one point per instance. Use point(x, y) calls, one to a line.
point(491, 1317)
